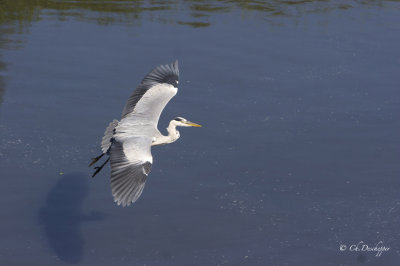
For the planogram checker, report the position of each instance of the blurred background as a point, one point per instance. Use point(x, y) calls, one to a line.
point(298, 153)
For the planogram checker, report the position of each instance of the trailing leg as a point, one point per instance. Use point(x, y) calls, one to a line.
point(94, 160)
point(98, 168)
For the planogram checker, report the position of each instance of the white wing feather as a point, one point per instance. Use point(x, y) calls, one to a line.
point(131, 162)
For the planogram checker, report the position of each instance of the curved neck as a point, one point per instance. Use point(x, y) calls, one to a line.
point(172, 136)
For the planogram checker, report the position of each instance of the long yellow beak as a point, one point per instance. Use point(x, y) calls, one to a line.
point(192, 124)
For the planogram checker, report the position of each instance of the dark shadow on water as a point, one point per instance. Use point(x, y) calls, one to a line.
point(61, 216)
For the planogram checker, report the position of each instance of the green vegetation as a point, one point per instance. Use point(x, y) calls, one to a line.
point(195, 13)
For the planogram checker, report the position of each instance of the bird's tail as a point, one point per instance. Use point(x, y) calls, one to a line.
point(105, 145)
point(108, 134)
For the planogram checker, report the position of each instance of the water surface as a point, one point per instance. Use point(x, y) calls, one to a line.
point(298, 153)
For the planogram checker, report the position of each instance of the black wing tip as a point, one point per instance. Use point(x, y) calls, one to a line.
point(168, 73)
point(171, 68)
point(175, 65)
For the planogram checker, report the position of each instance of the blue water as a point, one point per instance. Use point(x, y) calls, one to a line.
point(298, 153)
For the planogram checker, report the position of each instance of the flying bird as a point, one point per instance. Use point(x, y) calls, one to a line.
point(128, 142)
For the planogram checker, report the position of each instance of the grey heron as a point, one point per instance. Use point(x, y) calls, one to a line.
point(127, 142)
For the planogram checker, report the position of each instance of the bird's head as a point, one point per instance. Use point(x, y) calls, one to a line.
point(182, 122)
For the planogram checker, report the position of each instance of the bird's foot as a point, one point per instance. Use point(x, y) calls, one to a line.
point(94, 160)
point(98, 168)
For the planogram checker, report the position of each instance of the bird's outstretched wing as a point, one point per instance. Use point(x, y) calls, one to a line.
point(152, 95)
point(131, 162)
point(130, 151)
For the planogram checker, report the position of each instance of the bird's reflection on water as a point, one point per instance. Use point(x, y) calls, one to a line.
point(61, 217)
